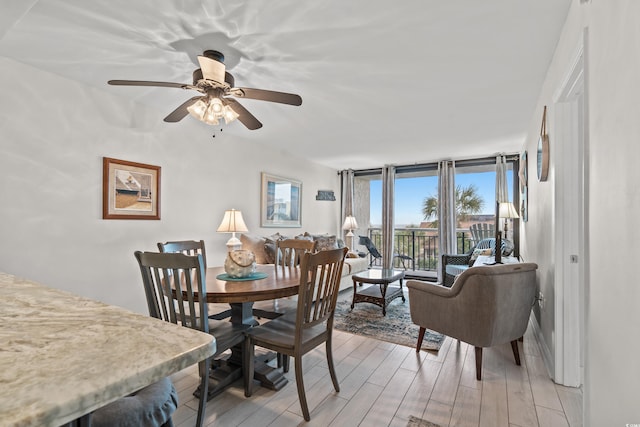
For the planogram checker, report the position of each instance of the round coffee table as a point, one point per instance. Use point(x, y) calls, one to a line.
point(382, 292)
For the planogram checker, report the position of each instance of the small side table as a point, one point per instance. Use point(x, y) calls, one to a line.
point(383, 293)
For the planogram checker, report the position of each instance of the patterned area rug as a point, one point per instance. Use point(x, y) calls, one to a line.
point(396, 327)
point(419, 422)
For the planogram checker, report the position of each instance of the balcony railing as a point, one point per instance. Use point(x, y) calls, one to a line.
point(421, 244)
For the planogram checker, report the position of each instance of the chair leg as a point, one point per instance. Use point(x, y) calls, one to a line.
point(478, 363)
point(300, 384)
point(516, 354)
point(420, 338)
point(204, 368)
point(285, 363)
point(332, 369)
point(248, 362)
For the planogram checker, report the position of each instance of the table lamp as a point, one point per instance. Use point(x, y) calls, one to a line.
point(349, 225)
point(232, 223)
point(507, 211)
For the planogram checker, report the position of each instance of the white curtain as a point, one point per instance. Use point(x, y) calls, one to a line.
point(502, 192)
point(446, 210)
point(347, 193)
point(388, 182)
point(347, 203)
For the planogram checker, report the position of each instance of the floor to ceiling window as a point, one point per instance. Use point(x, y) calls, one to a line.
point(415, 210)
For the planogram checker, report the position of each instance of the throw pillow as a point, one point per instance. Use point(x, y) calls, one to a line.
point(254, 244)
point(324, 241)
point(507, 247)
point(476, 253)
point(270, 247)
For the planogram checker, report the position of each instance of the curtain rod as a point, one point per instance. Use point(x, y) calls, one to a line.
point(511, 157)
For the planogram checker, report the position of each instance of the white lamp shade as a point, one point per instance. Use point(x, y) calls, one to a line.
point(507, 210)
point(350, 223)
point(232, 222)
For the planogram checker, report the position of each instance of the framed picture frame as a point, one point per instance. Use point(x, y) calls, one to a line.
point(281, 202)
point(130, 190)
point(524, 187)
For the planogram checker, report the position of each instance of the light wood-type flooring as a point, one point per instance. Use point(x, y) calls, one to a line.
point(382, 384)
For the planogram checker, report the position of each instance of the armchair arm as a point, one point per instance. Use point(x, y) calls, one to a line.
point(433, 306)
point(420, 287)
point(453, 259)
point(457, 259)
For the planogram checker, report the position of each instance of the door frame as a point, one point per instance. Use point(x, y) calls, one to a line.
point(571, 276)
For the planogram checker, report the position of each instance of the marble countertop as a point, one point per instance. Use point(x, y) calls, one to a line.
point(63, 356)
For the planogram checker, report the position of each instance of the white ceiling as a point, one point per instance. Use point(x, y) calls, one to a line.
point(382, 82)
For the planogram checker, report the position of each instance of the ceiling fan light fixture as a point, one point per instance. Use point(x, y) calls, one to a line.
point(217, 89)
point(197, 109)
point(229, 114)
point(211, 117)
point(216, 106)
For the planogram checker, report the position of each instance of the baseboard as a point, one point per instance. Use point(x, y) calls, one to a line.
point(547, 356)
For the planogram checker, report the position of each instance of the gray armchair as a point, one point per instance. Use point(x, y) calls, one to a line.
point(486, 306)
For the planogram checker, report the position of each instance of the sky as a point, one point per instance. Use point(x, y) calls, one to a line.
point(411, 192)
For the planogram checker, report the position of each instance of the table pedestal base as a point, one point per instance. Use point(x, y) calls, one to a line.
point(269, 377)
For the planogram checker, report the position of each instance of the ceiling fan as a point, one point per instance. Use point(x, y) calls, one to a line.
point(218, 99)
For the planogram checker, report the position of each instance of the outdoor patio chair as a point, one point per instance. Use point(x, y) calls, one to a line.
point(375, 253)
point(466, 258)
point(481, 231)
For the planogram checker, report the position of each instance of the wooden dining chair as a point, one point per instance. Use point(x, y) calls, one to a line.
point(289, 253)
point(192, 247)
point(187, 247)
point(288, 256)
point(172, 283)
point(313, 322)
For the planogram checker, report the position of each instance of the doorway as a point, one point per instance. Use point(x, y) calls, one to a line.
point(571, 243)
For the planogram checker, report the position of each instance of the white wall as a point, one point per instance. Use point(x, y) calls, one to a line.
point(612, 371)
point(55, 133)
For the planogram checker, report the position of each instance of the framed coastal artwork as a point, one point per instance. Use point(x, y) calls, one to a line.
point(281, 201)
point(130, 190)
point(524, 187)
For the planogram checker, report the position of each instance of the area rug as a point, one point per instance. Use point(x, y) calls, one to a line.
point(419, 422)
point(396, 327)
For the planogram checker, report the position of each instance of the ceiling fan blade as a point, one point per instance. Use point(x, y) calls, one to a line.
point(244, 116)
point(148, 83)
point(181, 112)
point(266, 95)
point(211, 69)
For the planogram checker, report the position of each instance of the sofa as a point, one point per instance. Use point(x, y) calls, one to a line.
point(264, 250)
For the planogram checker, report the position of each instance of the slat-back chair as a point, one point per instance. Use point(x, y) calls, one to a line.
point(319, 285)
point(172, 283)
point(289, 253)
point(187, 247)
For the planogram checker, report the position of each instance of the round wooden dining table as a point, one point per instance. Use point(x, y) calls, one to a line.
point(240, 295)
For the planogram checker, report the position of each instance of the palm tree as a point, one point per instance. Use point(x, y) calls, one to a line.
point(468, 202)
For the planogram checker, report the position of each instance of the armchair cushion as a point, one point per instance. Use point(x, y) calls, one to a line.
point(151, 406)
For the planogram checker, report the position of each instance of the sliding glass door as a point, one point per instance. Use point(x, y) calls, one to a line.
point(416, 227)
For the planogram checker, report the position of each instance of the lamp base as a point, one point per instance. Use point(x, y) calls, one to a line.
point(234, 244)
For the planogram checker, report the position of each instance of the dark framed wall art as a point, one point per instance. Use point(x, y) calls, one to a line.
point(130, 190)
